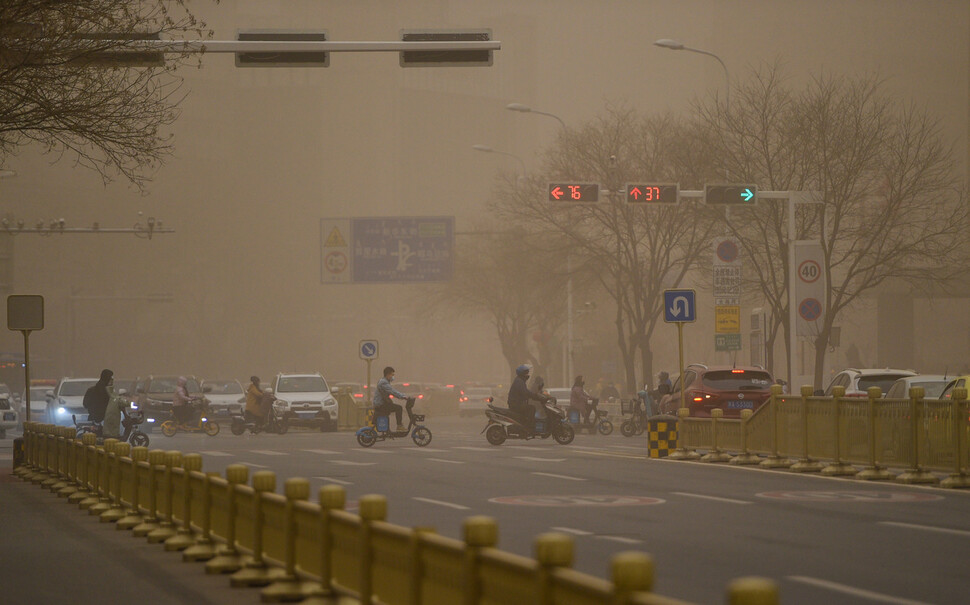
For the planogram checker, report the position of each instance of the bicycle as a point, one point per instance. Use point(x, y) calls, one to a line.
point(637, 422)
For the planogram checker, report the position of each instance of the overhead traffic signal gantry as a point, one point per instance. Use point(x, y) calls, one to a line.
point(730, 194)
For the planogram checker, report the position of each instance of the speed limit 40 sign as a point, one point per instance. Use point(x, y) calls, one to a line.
point(809, 271)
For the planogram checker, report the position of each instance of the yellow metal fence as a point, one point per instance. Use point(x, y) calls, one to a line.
point(297, 549)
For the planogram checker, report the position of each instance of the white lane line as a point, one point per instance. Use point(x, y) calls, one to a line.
point(541, 459)
point(215, 453)
point(528, 447)
point(473, 448)
point(555, 476)
point(322, 452)
point(423, 449)
point(620, 539)
point(448, 461)
point(569, 530)
point(712, 498)
point(440, 503)
point(942, 530)
point(269, 453)
point(332, 480)
point(349, 463)
point(627, 447)
point(255, 465)
point(856, 592)
point(370, 451)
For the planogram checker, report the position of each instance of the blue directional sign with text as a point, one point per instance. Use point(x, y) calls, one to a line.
point(679, 306)
point(402, 249)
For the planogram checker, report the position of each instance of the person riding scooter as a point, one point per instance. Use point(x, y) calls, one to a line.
point(520, 395)
point(383, 406)
point(580, 400)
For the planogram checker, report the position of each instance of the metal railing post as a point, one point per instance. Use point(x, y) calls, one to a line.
point(873, 472)
point(774, 460)
point(959, 478)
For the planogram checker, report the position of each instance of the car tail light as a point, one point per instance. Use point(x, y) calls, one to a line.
point(405, 384)
point(698, 396)
point(449, 386)
point(737, 371)
point(359, 395)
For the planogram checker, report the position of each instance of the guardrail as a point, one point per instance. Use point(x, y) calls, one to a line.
point(297, 549)
point(799, 432)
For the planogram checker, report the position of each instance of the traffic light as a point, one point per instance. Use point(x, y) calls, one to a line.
point(652, 194)
point(574, 192)
point(730, 194)
point(119, 55)
point(446, 58)
point(279, 59)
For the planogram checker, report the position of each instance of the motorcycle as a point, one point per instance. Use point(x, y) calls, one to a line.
point(599, 423)
point(130, 422)
point(637, 422)
point(378, 429)
point(199, 424)
point(275, 421)
point(504, 424)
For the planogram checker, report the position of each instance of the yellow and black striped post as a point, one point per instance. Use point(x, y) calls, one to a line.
point(662, 436)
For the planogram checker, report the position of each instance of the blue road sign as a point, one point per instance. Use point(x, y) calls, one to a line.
point(679, 306)
point(402, 249)
point(368, 349)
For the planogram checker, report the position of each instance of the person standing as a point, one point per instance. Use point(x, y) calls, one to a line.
point(96, 398)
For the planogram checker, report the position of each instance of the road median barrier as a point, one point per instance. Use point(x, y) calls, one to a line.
point(297, 549)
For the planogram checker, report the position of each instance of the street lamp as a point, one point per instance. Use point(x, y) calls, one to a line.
point(487, 149)
point(568, 364)
point(675, 45)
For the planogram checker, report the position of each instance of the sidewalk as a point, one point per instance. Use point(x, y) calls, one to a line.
point(55, 553)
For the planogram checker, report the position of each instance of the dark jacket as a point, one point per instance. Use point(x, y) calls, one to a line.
point(519, 393)
point(96, 397)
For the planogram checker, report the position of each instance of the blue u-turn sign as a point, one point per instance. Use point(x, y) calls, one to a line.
point(679, 306)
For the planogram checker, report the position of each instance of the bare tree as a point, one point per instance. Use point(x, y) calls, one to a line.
point(890, 207)
point(72, 81)
point(633, 252)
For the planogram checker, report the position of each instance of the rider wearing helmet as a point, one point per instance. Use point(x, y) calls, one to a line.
point(520, 395)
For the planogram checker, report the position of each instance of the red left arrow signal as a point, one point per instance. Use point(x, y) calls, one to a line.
point(557, 193)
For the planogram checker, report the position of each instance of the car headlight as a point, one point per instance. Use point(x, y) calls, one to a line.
point(134, 406)
point(62, 410)
point(151, 420)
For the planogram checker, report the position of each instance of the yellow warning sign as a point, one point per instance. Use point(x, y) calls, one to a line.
point(727, 319)
point(335, 240)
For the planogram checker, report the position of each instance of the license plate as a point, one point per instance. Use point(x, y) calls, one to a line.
point(740, 405)
point(305, 415)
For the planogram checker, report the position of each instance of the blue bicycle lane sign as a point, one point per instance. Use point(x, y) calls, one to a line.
point(679, 306)
point(369, 349)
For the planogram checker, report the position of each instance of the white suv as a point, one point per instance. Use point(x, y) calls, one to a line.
point(66, 399)
point(857, 382)
point(308, 399)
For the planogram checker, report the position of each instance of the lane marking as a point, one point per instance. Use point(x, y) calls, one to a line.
point(627, 447)
point(473, 449)
point(617, 455)
point(942, 530)
point(732, 501)
point(417, 448)
point(555, 476)
point(856, 592)
point(528, 447)
point(332, 480)
point(270, 453)
point(255, 465)
point(620, 539)
point(322, 452)
point(541, 459)
point(370, 451)
point(440, 503)
point(215, 453)
point(349, 463)
point(448, 461)
point(569, 530)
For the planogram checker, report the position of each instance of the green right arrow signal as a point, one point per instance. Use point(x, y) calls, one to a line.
point(747, 194)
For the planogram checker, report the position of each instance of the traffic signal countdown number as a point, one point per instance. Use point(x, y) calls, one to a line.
point(574, 192)
point(651, 194)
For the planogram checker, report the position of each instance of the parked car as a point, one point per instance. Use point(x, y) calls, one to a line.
point(474, 401)
point(728, 388)
point(38, 404)
point(65, 399)
point(857, 381)
point(8, 417)
point(357, 390)
point(308, 400)
point(153, 396)
point(957, 382)
point(933, 385)
point(226, 397)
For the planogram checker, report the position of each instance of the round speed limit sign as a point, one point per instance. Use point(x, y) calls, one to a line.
point(809, 271)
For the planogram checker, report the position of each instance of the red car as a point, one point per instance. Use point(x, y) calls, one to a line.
point(728, 388)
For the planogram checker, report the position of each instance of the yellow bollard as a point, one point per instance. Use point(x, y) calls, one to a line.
point(133, 515)
point(838, 468)
point(916, 474)
point(373, 507)
point(185, 537)
point(204, 548)
point(106, 459)
point(745, 457)
point(873, 472)
point(255, 572)
point(332, 497)
point(156, 462)
point(752, 591)
point(682, 452)
point(806, 464)
point(480, 532)
point(59, 477)
point(117, 511)
point(553, 550)
point(84, 466)
point(632, 572)
point(959, 478)
point(166, 527)
point(716, 454)
point(774, 460)
point(227, 557)
point(289, 587)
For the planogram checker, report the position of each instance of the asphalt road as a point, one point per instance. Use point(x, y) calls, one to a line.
point(823, 540)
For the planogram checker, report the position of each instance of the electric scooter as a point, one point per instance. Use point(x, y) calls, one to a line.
point(379, 429)
point(504, 424)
